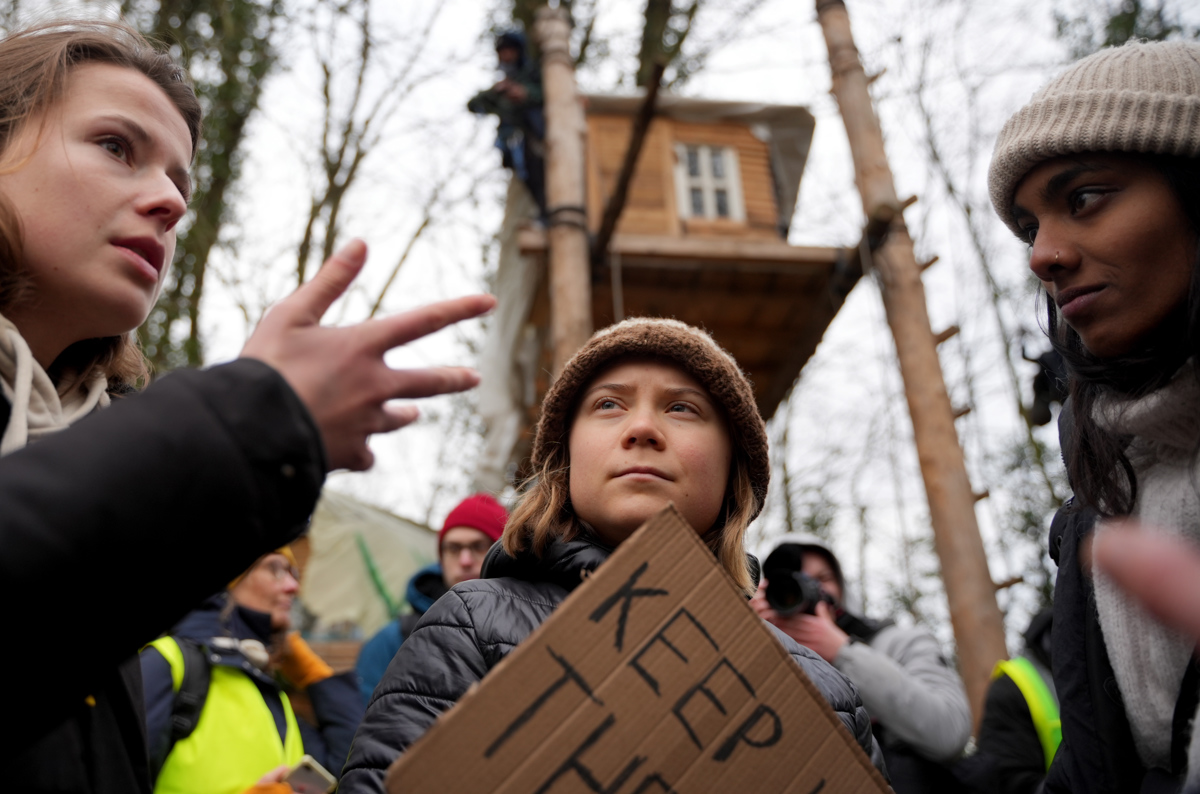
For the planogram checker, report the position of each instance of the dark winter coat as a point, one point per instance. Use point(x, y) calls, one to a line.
point(1009, 758)
point(426, 586)
point(477, 624)
point(111, 531)
point(335, 700)
point(1097, 754)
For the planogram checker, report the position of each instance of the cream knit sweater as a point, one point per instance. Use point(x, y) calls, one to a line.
point(1149, 659)
point(38, 407)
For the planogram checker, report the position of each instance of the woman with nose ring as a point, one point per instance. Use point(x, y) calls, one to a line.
point(1100, 175)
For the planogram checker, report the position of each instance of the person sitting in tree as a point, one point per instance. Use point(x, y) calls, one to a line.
point(517, 100)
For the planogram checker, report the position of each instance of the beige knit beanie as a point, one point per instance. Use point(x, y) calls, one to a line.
point(1142, 97)
point(689, 347)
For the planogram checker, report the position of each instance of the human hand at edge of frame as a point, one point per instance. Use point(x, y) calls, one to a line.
point(1161, 571)
point(819, 633)
point(272, 782)
point(340, 374)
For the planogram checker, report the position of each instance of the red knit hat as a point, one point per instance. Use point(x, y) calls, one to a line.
point(478, 511)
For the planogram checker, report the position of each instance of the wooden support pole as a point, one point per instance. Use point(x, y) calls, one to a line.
point(569, 269)
point(978, 625)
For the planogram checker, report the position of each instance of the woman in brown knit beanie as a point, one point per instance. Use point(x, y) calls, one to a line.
point(647, 412)
point(636, 388)
point(1100, 175)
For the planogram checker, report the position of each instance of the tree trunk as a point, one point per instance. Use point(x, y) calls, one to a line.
point(569, 269)
point(978, 625)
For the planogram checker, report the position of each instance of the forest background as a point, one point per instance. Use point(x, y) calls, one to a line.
point(331, 119)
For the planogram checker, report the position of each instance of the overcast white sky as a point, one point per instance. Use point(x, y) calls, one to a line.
point(850, 432)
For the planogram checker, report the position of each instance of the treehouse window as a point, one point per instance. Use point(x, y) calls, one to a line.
point(708, 184)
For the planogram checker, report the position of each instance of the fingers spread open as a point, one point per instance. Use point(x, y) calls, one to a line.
point(399, 329)
point(313, 299)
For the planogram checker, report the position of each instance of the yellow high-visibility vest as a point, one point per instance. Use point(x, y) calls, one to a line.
point(235, 741)
point(1043, 705)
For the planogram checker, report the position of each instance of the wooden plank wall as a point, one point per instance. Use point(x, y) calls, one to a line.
point(651, 206)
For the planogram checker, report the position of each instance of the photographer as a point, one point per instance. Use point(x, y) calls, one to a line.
point(916, 699)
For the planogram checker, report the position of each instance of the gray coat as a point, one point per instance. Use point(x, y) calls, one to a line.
point(910, 690)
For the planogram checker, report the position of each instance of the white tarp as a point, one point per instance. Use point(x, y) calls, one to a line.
point(507, 365)
point(338, 587)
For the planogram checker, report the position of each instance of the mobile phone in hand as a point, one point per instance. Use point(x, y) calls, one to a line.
point(309, 777)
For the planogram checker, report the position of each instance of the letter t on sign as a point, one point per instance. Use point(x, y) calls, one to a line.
point(570, 675)
point(624, 596)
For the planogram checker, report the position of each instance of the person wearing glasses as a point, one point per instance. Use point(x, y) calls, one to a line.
point(470, 530)
point(218, 713)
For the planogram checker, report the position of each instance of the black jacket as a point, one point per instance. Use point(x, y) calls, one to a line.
point(111, 531)
point(1097, 754)
point(474, 626)
point(336, 703)
point(1009, 758)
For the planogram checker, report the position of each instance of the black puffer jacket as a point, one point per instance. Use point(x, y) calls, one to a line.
point(470, 629)
point(207, 470)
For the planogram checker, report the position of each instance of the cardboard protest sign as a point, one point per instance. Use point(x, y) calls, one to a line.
point(654, 677)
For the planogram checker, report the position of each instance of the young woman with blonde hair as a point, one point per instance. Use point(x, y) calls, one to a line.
point(646, 413)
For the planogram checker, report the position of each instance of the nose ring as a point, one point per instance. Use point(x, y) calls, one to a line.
point(1056, 257)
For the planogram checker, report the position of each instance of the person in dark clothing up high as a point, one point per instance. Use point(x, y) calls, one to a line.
point(517, 101)
point(470, 530)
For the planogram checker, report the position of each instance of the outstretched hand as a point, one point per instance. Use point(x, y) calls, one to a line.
point(340, 374)
point(1159, 570)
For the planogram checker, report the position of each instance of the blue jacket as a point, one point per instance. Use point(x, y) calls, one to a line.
point(425, 587)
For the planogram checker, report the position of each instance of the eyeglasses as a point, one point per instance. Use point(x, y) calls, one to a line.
point(477, 548)
point(279, 570)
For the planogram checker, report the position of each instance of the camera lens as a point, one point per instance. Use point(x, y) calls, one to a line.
point(791, 591)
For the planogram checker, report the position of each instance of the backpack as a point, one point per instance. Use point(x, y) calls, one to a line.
point(189, 699)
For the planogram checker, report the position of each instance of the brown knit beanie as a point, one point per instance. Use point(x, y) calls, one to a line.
point(1143, 97)
point(695, 352)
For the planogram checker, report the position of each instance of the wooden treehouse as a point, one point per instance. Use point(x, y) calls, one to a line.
point(702, 238)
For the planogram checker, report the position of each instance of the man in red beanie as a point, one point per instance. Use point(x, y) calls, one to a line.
point(470, 530)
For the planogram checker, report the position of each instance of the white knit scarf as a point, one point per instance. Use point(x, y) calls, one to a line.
point(38, 408)
point(1149, 659)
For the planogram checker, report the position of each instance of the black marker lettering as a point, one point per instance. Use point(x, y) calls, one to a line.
point(573, 764)
point(625, 596)
point(569, 675)
point(661, 636)
point(703, 689)
point(655, 780)
point(742, 734)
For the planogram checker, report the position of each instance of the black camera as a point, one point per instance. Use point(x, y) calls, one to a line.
point(788, 589)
